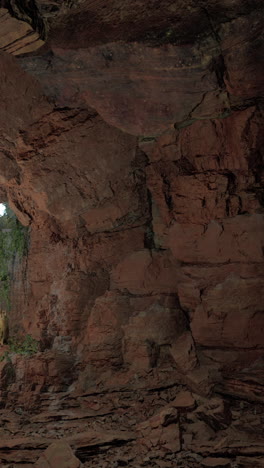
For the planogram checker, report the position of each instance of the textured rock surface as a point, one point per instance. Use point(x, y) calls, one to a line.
point(19, 33)
point(132, 147)
point(58, 454)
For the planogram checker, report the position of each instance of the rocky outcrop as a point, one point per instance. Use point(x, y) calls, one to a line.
point(152, 89)
point(20, 33)
point(160, 427)
point(58, 453)
point(134, 155)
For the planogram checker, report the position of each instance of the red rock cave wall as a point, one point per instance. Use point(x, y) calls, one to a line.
point(138, 168)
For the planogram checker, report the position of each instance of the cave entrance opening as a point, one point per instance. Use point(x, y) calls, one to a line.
point(13, 247)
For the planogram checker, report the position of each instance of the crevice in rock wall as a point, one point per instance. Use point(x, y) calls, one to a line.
point(149, 238)
point(28, 11)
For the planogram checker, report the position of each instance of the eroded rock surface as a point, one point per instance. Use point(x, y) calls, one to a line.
point(132, 147)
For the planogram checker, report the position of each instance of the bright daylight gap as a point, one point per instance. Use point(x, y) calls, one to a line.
point(2, 209)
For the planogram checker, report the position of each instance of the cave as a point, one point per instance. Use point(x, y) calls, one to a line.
point(132, 157)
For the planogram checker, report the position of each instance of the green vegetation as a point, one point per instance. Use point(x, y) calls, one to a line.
point(5, 356)
point(13, 244)
point(26, 346)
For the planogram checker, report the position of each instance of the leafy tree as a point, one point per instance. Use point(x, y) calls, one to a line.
point(13, 243)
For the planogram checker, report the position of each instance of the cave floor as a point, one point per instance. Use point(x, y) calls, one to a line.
point(152, 424)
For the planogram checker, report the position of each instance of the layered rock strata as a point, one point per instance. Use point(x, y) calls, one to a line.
point(135, 156)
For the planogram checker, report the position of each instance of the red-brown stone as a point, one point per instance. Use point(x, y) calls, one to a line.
point(132, 148)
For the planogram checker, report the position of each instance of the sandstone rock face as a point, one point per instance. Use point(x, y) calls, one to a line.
point(20, 33)
point(58, 454)
point(158, 87)
point(132, 148)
